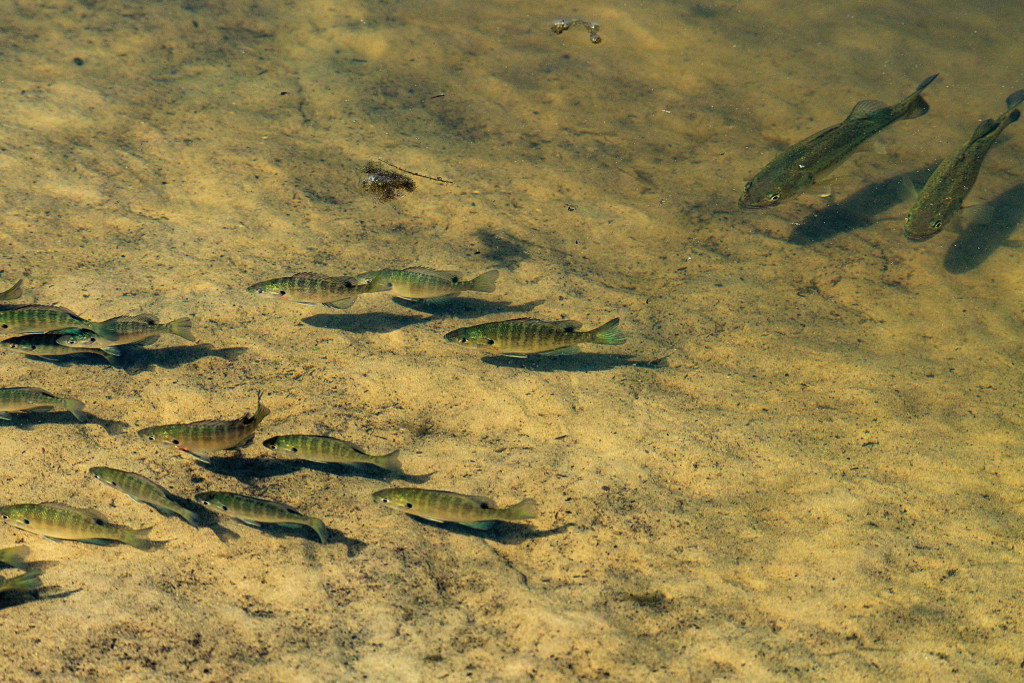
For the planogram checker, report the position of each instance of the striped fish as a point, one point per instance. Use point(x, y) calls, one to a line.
point(30, 399)
point(314, 288)
point(27, 319)
point(445, 506)
point(144, 490)
point(255, 511)
point(201, 438)
point(330, 450)
point(521, 336)
point(63, 522)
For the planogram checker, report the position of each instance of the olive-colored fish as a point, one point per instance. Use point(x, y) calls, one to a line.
point(13, 293)
point(144, 490)
point(30, 399)
point(46, 345)
point(63, 522)
point(809, 161)
point(201, 438)
point(254, 511)
point(15, 556)
point(23, 583)
point(129, 329)
point(434, 285)
point(313, 288)
point(330, 450)
point(27, 319)
point(444, 506)
point(521, 336)
point(944, 193)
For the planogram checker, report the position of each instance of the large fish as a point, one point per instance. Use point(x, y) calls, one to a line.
point(201, 438)
point(63, 522)
point(255, 511)
point(26, 319)
point(144, 490)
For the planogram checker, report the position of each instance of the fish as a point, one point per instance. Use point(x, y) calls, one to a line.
point(15, 556)
point(28, 319)
point(314, 288)
point(23, 583)
point(254, 511)
point(521, 336)
point(144, 490)
point(809, 161)
point(128, 329)
point(329, 450)
point(198, 439)
point(433, 285)
point(13, 293)
point(942, 196)
point(63, 522)
point(30, 399)
point(46, 345)
point(445, 506)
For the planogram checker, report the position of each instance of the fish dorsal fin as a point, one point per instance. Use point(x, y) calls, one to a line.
point(44, 392)
point(450, 275)
point(142, 318)
point(77, 511)
point(306, 275)
point(866, 108)
point(45, 307)
point(984, 128)
point(208, 423)
point(566, 325)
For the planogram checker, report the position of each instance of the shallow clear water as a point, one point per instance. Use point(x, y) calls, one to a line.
point(821, 480)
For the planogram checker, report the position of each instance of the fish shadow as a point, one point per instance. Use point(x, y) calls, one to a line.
point(577, 362)
point(979, 241)
point(353, 546)
point(466, 307)
point(136, 359)
point(14, 599)
point(378, 323)
point(507, 252)
point(859, 209)
point(274, 467)
point(27, 420)
point(506, 533)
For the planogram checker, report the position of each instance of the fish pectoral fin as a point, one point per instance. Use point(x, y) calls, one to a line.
point(908, 191)
point(483, 526)
point(4, 415)
point(564, 351)
point(341, 303)
point(97, 541)
point(198, 455)
point(249, 522)
point(975, 214)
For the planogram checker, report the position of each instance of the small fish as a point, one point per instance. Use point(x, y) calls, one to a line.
point(330, 450)
point(144, 490)
point(809, 161)
point(13, 293)
point(129, 329)
point(527, 335)
point(944, 193)
point(23, 583)
point(63, 522)
point(30, 399)
point(445, 506)
point(253, 511)
point(198, 439)
point(14, 557)
point(27, 319)
point(46, 345)
point(313, 288)
point(430, 284)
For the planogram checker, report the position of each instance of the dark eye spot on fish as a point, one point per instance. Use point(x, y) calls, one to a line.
point(455, 279)
point(282, 292)
point(175, 442)
point(25, 522)
point(99, 522)
point(408, 506)
point(490, 342)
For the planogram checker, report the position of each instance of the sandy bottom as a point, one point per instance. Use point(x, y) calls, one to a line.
point(822, 481)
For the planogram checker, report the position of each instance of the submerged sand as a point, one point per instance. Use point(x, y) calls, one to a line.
point(822, 481)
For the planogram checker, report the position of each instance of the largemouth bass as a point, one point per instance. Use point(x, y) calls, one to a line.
point(444, 506)
point(254, 511)
point(30, 399)
point(63, 522)
point(201, 438)
point(521, 336)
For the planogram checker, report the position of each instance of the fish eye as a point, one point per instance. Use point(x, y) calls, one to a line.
point(936, 224)
point(260, 291)
point(384, 500)
point(463, 340)
point(175, 442)
point(99, 522)
point(4, 516)
point(455, 279)
point(773, 197)
point(151, 437)
point(746, 188)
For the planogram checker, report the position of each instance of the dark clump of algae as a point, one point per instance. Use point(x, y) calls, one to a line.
point(821, 483)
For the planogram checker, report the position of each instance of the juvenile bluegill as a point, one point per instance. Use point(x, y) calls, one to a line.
point(313, 288)
point(30, 399)
point(46, 345)
point(144, 490)
point(254, 511)
point(944, 193)
point(23, 583)
point(201, 438)
point(15, 557)
point(809, 161)
point(444, 506)
point(13, 293)
point(63, 522)
point(27, 319)
point(329, 450)
point(527, 335)
point(426, 283)
point(128, 329)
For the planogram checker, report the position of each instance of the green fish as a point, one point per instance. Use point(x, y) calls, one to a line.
point(13, 293)
point(46, 345)
point(198, 439)
point(144, 490)
point(521, 336)
point(15, 556)
point(255, 511)
point(432, 285)
point(129, 329)
point(313, 288)
point(23, 583)
point(809, 161)
point(329, 450)
point(27, 319)
point(30, 399)
point(943, 195)
point(444, 506)
point(63, 522)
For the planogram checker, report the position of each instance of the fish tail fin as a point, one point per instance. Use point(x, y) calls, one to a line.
point(138, 538)
point(319, 527)
point(609, 333)
point(189, 516)
point(14, 292)
point(183, 328)
point(15, 557)
point(105, 330)
point(261, 410)
point(390, 462)
point(915, 105)
point(29, 581)
point(524, 509)
point(111, 353)
point(76, 408)
point(484, 282)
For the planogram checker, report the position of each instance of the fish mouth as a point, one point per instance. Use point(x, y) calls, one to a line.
point(751, 203)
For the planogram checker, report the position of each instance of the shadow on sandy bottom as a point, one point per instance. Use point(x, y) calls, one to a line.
point(224, 534)
point(859, 210)
point(978, 242)
point(507, 533)
point(12, 600)
point(30, 419)
point(135, 359)
point(467, 307)
point(578, 362)
point(507, 252)
point(247, 469)
point(379, 323)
